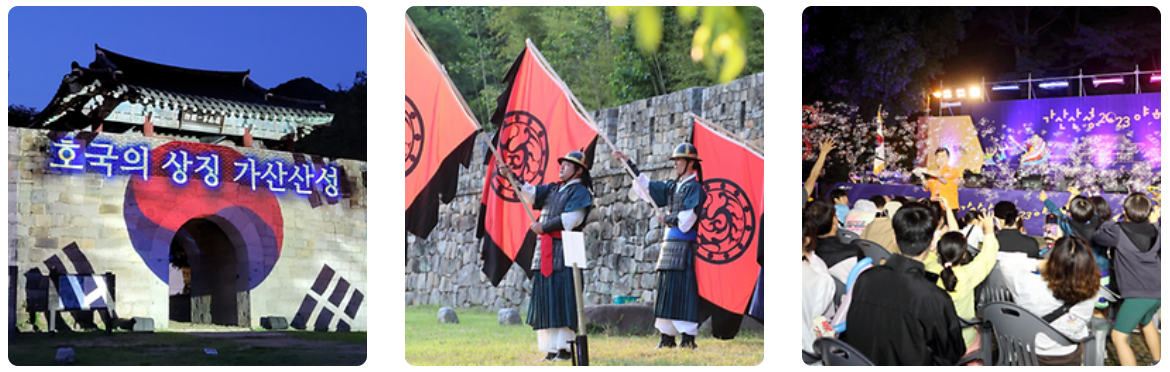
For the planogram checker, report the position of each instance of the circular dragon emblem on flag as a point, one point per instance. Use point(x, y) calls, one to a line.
point(414, 136)
point(524, 147)
point(728, 224)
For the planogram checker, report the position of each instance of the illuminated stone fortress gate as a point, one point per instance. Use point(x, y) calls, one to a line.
point(206, 233)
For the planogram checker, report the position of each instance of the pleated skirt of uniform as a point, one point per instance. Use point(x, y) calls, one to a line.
point(553, 303)
point(756, 309)
point(678, 295)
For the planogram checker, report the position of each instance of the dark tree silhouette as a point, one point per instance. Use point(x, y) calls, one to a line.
point(345, 137)
point(877, 55)
point(20, 115)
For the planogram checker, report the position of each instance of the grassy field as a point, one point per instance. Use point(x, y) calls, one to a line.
point(173, 348)
point(478, 340)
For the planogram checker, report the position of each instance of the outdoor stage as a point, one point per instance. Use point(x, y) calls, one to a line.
point(1031, 208)
point(1106, 142)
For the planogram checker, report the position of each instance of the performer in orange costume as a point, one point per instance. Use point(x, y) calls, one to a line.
point(943, 180)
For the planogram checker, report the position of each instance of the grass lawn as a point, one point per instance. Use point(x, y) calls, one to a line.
point(173, 348)
point(479, 340)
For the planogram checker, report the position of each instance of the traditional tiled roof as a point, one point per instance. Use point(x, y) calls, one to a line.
point(123, 89)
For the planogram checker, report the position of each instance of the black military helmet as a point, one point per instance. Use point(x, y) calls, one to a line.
point(685, 151)
point(576, 157)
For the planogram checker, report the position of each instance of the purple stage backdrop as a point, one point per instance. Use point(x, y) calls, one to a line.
point(1103, 132)
point(1031, 208)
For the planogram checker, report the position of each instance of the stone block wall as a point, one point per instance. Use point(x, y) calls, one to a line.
point(621, 234)
point(85, 221)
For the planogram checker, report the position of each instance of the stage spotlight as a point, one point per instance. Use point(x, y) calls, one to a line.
point(1112, 80)
point(997, 88)
point(975, 92)
point(1156, 78)
point(937, 94)
point(961, 93)
point(947, 94)
point(1054, 85)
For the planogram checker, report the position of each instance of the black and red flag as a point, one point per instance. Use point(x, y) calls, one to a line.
point(729, 231)
point(538, 122)
point(440, 133)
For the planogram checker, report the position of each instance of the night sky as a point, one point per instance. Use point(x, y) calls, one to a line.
point(326, 44)
point(979, 56)
point(982, 55)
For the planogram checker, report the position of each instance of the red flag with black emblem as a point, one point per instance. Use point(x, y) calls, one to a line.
point(440, 133)
point(730, 228)
point(539, 122)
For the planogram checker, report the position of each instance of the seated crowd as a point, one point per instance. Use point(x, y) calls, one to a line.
point(919, 306)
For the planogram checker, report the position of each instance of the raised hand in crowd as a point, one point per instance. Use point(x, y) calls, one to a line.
point(828, 144)
point(952, 224)
point(988, 223)
point(942, 201)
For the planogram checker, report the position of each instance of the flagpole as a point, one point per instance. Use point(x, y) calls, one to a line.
point(589, 118)
point(467, 110)
point(879, 151)
point(728, 133)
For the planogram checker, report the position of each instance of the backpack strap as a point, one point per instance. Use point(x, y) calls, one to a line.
point(1059, 312)
point(861, 265)
point(838, 320)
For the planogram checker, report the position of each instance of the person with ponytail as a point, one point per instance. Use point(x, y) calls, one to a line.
point(676, 308)
point(959, 273)
point(1062, 289)
point(952, 253)
point(1011, 239)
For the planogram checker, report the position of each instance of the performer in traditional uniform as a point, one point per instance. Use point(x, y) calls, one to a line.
point(564, 206)
point(677, 305)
